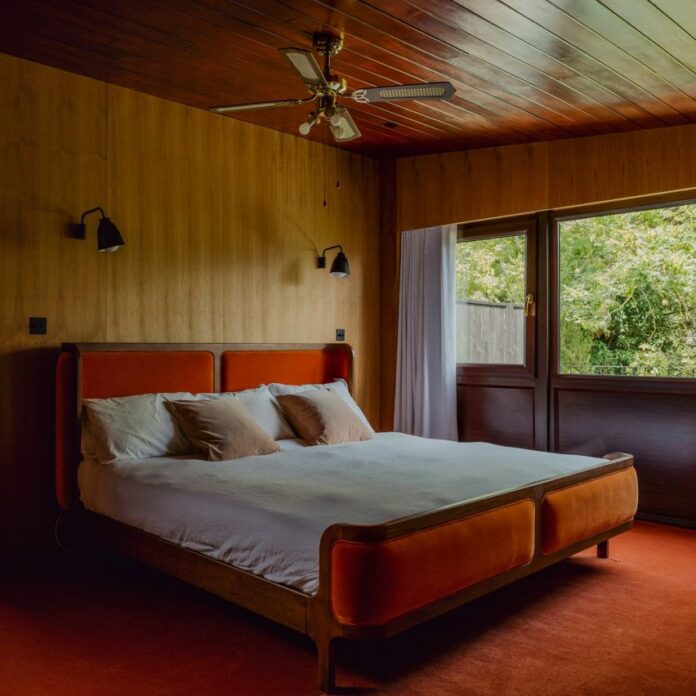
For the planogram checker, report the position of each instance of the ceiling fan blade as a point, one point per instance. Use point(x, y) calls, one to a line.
point(306, 65)
point(420, 91)
point(343, 126)
point(258, 105)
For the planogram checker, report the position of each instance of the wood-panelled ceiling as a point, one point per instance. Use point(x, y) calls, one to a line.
point(524, 70)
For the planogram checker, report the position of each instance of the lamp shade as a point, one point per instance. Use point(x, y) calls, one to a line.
point(340, 267)
point(108, 237)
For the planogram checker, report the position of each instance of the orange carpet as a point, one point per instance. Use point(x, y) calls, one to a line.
point(622, 627)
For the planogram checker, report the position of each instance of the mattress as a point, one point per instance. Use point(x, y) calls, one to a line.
point(266, 514)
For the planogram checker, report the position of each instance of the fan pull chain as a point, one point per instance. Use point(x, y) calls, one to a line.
point(325, 176)
point(338, 164)
point(325, 202)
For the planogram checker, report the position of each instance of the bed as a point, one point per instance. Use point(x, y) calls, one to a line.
point(402, 529)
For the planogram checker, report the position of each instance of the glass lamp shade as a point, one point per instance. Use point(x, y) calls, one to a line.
point(108, 237)
point(340, 267)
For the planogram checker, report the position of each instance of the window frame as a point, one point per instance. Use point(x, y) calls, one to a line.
point(612, 382)
point(528, 226)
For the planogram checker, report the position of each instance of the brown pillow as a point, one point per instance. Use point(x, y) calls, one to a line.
point(322, 417)
point(221, 428)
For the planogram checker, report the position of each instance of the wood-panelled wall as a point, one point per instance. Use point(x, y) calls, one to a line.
point(517, 179)
point(222, 221)
point(513, 180)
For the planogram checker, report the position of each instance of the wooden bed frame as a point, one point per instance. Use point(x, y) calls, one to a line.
point(314, 615)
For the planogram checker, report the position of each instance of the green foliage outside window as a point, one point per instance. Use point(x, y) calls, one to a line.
point(628, 290)
point(496, 270)
point(628, 293)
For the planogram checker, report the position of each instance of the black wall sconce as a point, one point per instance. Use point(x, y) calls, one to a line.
point(108, 237)
point(339, 267)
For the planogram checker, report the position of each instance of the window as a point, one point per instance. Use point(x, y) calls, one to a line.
point(491, 278)
point(627, 292)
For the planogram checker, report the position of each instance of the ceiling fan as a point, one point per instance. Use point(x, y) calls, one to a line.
point(326, 88)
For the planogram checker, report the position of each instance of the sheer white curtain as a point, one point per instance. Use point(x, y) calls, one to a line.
point(426, 370)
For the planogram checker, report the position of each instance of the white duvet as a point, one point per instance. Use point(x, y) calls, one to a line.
point(266, 514)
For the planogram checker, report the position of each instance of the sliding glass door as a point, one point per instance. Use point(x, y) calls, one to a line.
point(499, 324)
point(623, 358)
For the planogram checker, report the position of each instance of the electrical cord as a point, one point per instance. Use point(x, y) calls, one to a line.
point(56, 534)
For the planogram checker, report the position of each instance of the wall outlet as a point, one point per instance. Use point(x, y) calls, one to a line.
point(38, 325)
point(340, 334)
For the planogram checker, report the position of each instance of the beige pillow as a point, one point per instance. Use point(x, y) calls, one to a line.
point(221, 429)
point(322, 417)
point(339, 386)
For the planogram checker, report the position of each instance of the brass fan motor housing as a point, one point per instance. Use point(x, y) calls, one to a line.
point(327, 44)
point(336, 84)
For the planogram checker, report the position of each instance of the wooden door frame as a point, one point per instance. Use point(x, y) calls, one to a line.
point(534, 372)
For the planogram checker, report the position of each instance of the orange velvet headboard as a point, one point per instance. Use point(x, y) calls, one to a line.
point(98, 371)
point(244, 369)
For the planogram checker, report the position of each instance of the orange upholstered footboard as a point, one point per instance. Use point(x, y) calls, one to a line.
point(585, 509)
point(374, 582)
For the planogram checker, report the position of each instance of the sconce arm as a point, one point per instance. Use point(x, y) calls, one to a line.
point(321, 260)
point(89, 212)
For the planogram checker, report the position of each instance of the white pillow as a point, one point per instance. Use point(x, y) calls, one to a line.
point(262, 407)
point(131, 427)
point(340, 386)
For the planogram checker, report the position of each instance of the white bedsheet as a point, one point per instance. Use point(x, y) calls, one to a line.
point(266, 514)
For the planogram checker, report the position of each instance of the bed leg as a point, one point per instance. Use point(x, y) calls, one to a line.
point(603, 549)
point(327, 665)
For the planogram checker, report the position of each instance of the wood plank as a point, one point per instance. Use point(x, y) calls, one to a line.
point(500, 182)
point(586, 421)
point(623, 94)
point(472, 185)
point(631, 26)
point(487, 46)
point(501, 415)
point(671, 105)
point(680, 12)
point(389, 256)
point(622, 166)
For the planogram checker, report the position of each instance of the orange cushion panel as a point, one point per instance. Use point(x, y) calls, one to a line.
point(578, 512)
point(375, 582)
point(107, 374)
point(245, 369)
point(66, 444)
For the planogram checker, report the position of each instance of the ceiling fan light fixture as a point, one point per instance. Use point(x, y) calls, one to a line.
point(342, 125)
point(327, 87)
point(307, 125)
